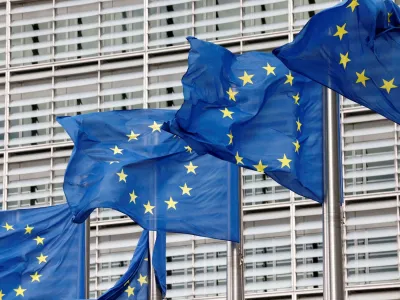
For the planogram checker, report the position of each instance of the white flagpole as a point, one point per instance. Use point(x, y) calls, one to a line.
point(234, 259)
point(154, 292)
point(87, 258)
point(333, 264)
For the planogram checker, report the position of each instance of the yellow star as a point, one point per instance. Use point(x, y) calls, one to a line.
point(269, 69)
point(388, 85)
point(148, 208)
point(298, 125)
point(133, 197)
point(344, 59)
point(36, 277)
point(117, 150)
point(146, 259)
point(191, 168)
point(142, 279)
point(289, 78)
point(171, 203)
point(20, 291)
point(122, 176)
point(28, 229)
point(42, 258)
point(297, 146)
point(130, 290)
point(341, 31)
point(39, 240)
point(8, 227)
point(185, 190)
point(296, 98)
point(232, 94)
point(156, 127)
point(361, 77)
point(389, 15)
point(285, 161)
point(226, 113)
point(1, 295)
point(246, 78)
point(230, 135)
point(132, 136)
point(353, 5)
point(260, 167)
point(239, 159)
point(188, 149)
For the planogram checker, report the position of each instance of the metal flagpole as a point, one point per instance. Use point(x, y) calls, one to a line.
point(234, 259)
point(87, 258)
point(333, 265)
point(154, 292)
point(325, 233)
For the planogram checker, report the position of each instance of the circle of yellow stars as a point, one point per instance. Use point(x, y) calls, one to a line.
point(122, 176)
point(247, 78)
point(20, 291)
point(361, 75)
point(190, 168)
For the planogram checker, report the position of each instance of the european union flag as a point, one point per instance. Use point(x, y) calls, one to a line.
point(122, 160)
point(353, 48)
point(42, 254)
point(136, 279)
point(134, 283)
point(160, 262)
point(251, 110)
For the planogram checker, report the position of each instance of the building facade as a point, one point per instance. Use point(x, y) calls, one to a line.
point(80, 56)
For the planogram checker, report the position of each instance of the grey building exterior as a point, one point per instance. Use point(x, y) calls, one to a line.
point(72, 57)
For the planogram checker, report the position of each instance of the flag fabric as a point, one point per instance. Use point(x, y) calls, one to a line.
point(42, 254)
point(352, 48)
point(160, 262)
point(122, 160)
point(134, 283)
point(251, 110)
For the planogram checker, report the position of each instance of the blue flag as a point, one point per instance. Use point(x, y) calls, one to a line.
point(122, 160)
point(134, 283)
point(42, 254)
point(160, 262)
point(353, 48)
point(251, 110)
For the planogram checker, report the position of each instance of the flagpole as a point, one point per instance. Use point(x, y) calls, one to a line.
point(87, 258)
point(154, 292)
point(234, 258)
point(333, 264)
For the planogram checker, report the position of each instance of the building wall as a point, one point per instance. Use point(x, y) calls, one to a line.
point(72, 57)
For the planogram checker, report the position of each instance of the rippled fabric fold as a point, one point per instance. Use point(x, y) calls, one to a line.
point(42, 254)
point(352, 48)
point(251, 110)
point(122, 160)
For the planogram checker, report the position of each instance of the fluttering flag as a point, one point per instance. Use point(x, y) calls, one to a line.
point(160, 261)
point(42, 254)
point(352, 48)
point(134, 283)
point(122, 160)
point(251, 110)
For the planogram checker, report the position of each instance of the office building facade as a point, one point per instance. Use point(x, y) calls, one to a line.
point(75, 57)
